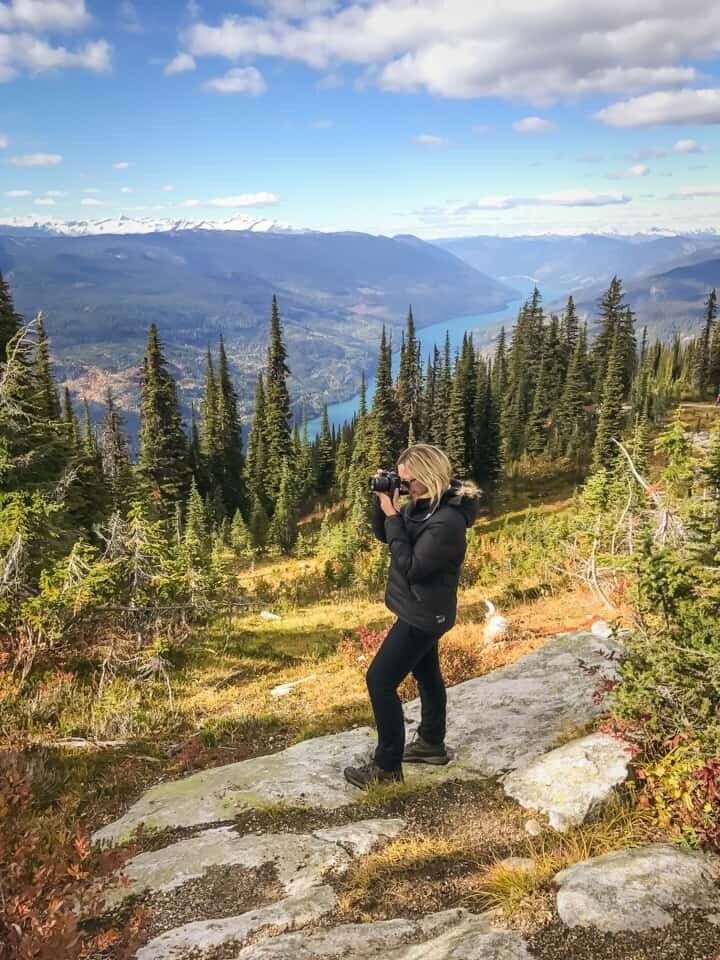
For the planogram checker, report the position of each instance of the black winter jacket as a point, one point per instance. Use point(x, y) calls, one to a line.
point(427, 548)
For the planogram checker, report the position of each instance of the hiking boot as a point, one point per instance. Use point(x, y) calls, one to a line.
point(420, 751)
point(370, 774)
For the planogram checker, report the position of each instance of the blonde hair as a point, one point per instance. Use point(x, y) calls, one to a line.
point(431, 467)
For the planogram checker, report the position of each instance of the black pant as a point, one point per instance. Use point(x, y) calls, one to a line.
point(405, 649)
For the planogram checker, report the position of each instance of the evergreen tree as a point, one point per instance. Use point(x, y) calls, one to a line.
point(46, 398)
point(211, 456)
point(256, 462)
point(569, 333)
point(230, 432)
point(455, 434)
point(702, 355)
point(283, 526)
point(72, 427)
point(325, 458)
point(537, 428)
point(361, 464)
point(427, 400)
point(611, 416)
point(277, 406)
point(385, 416)
point(10, 321)
point(114, 454)
point(611, 310)
point(163, 458)
point(499, 367)
point(196, 534)
point(409, 385)
point(714, 360)
point(572, 419)
point(443, 395)
point(240, 539)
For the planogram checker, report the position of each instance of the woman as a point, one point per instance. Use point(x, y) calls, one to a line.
point(427, 547)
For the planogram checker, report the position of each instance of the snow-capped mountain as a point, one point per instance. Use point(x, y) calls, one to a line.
point(136, 225)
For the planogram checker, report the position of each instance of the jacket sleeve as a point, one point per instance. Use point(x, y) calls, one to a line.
point(437, 546)
point(378, 521)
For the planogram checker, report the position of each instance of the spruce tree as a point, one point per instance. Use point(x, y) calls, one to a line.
point(611, 310)
point(283, 526)
point(256, 462)
point(10, 321)
point(385, 416)
point(233, 465)
point(427, 399)
point(572, 418)
point(46, 398)
point(537, 429)
point(325, 457)
point(277, 406)
point(443, 395)
point(163, 458)
point(196, 535)
point(703, 344)
point(210, 453)
point(114, 454)
point(409, 384)
point(611, 416)
point(455, 447)
point(70, 420)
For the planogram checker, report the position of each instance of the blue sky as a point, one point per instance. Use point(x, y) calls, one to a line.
point(433, 117)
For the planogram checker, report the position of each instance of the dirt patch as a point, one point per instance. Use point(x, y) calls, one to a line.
point(689, 937)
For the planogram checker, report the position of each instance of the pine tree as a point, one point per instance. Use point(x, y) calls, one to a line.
point(537, 428)
point(233, 465)
point(703, 345)
point(572, 419)
point(486, 466)
point(427, 399)
point(455, 434)
point(114, 454)
point(46, 398)
point(283, 526)
point(211, 456)
point(385, 416)
point(72, 426)
point(569, 333)
point(443, 395)
point(256, 462)
point(163, 458)
point(611, 310)
point(10, 321)
point(325, 457)
point(196, 535)
point(240, 539)
point(409, 385)
point(277, 406)
point(611, 416)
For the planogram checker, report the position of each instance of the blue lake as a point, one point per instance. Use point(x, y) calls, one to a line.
point(456, 327)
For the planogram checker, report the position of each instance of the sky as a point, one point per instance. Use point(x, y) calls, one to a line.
point(433, 117)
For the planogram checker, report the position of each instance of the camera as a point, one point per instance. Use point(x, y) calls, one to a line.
point(387, 481)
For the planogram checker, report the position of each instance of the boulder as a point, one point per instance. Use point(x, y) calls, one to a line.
point(636, 889)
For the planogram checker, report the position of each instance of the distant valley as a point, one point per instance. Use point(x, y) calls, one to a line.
point(100, 291)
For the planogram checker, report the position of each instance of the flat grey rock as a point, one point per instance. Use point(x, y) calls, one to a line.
point(571, 782)
point(450, 935)
point(497, 723)
point(300, 859)
point(202, 935)
point(636, 889)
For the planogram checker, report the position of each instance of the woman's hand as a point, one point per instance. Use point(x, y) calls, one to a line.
point(389, 507)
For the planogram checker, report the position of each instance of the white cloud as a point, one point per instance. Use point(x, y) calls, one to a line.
point(168, 187)
point(193, 9)
point(245, 200)
point(430, 140)
point(246, 80)
point(636, 170)
point(126, 189)
point(90, 202)
point(676, 107)
point(55, 193)
point(44, 202)
point(121, 165)
point(91, 190)
point(23, 50)
point(452, 48)
point(687, 146)
point(4, 142)
point(561, 198)
point(36, 160)
point(190, 203)
point(180, 63)
point(707, 191)
point(36, 15)
point(321, 124)
point(533, 125)
point(18, 193)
